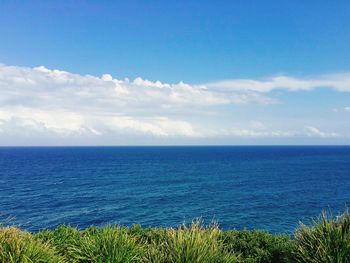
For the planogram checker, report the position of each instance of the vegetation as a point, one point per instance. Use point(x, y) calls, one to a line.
point(327, 240)
point(259, 246)
point(18, 246)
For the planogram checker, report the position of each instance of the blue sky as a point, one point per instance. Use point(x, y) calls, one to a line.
point(228, 72)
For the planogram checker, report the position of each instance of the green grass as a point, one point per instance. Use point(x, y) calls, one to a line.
point(327, 240)
point(195, 243)
point(108, 244)
point(18, 246)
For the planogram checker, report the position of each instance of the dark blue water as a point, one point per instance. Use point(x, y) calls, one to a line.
point(270, 188)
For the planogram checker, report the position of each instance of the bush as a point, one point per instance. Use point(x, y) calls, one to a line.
point(259, 246)
point(21, 247)
point(328, 240)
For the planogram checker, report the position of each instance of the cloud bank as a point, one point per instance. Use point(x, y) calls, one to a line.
point(40, 102)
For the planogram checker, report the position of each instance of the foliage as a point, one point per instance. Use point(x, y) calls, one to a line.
point(21, 247)
point(193, 243)
point(259, 246)
point(328, 240)
point(111, 244)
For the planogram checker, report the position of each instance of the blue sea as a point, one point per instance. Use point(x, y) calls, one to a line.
point(270, 188)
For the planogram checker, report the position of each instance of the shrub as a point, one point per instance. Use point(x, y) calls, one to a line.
point(259, 246)
point(328, 240)
point(21, 247)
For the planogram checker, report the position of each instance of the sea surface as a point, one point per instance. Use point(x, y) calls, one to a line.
point(270, 188)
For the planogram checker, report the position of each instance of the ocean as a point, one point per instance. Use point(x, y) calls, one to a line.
point(256, 187)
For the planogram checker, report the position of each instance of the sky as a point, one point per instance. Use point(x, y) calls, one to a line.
point(174, 72)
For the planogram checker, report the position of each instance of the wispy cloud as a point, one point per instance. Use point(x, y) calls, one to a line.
point(313, 131)
point(339, 82)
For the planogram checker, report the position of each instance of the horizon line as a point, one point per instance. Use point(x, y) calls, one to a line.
point(172, 145)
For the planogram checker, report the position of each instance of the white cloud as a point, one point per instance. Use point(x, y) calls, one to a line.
point(315, 132)
point(66, 103)
point(258, 133)
point(257, 125)
point(71, 123)
point(59, 104)
point(347, 109)
point(339, 82)
point(160, 126)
